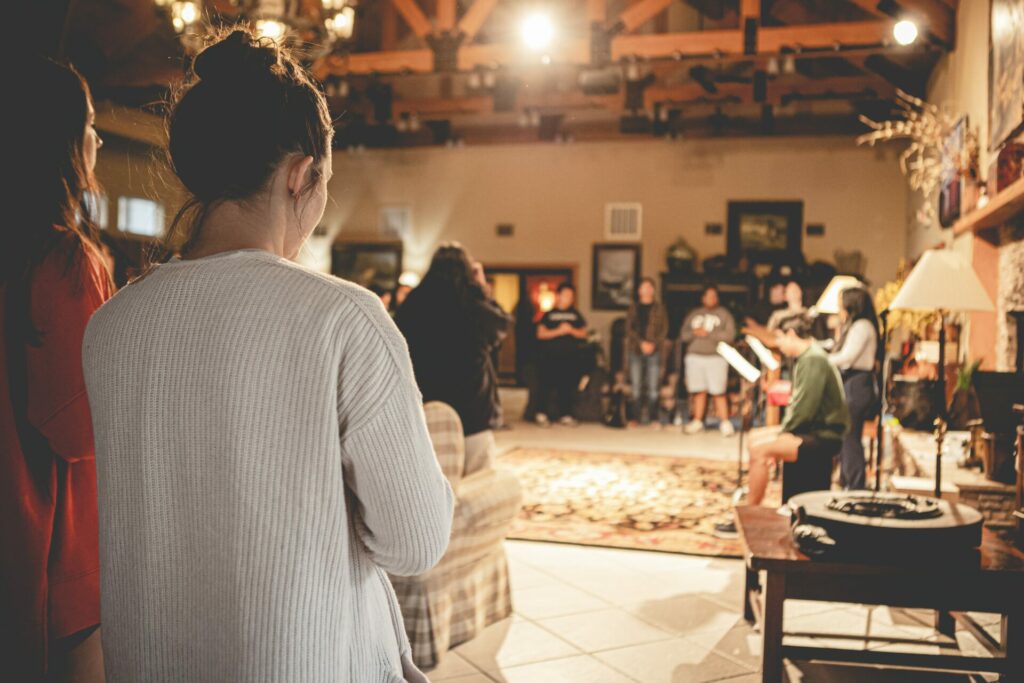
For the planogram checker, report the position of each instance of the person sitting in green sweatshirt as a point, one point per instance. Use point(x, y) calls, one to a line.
point(812, 432)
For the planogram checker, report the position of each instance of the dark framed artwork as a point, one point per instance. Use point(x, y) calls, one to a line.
point(765, 231)
point(368, 263)
point(615, 276)
point(950, 176)
point(1005, 71)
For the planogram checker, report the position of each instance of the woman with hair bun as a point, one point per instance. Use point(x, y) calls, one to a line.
point(262, 453)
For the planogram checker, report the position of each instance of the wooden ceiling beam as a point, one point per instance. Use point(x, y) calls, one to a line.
point(777, 90)
point(638, 14)
point(445, 15)
point(413, 16)
point(394, 61)
point(816, 36)
point(937, 17)
point(669, 44)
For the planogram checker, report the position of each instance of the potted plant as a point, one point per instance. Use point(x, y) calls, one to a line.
point(964, 406)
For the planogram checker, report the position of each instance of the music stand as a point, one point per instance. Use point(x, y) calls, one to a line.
point(747, 371)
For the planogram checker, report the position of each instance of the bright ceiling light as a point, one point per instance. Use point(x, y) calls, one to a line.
point(537, 31)
point(905, 32)
point(269, 28)
point(342, 23)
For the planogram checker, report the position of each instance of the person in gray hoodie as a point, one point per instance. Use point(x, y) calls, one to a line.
point(706, 371)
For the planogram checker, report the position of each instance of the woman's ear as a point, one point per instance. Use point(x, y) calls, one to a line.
point(298, 170)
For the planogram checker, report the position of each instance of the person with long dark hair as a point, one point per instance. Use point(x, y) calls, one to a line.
point(646, 330)
point(452, 327)
point(854, 355)
point(53, 279)
point(262, 450)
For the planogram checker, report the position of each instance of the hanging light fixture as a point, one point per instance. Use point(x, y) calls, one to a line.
point(277, 20)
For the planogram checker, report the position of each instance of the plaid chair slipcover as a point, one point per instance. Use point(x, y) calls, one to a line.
point(469, 588)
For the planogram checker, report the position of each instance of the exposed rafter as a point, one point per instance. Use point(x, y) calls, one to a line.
point(413, 16)
point(637, 15)
point(937, 17)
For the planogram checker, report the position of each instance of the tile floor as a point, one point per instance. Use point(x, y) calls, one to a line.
point(601, 615)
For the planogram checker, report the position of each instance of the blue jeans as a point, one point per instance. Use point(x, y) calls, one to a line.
point(643, 378)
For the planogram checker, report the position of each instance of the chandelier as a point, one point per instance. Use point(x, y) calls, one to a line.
point(329, 26)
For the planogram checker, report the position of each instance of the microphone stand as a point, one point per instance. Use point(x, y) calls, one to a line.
point(883, 357)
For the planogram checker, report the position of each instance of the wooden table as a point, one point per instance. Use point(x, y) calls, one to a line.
point(989, 580)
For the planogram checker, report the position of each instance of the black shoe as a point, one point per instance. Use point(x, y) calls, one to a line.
point(726, 530)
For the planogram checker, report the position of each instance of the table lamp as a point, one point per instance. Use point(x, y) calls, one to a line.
point(942, 282)
point(828, 302)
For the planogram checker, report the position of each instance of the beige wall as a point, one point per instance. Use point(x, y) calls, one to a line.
point(555, 195)
point(960, 84)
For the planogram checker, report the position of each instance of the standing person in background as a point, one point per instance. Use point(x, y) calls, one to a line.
point(452, 327)
point(262, 451)
point(383, 294)
point(52, 279)
point(646, 330)
point(855, 358)
point(559, 332)
point(706, 371)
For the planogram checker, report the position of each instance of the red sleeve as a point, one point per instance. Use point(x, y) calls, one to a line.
point(63, 299)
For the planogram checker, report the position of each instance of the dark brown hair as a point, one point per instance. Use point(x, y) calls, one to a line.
point(48, 186)
point(245, 105)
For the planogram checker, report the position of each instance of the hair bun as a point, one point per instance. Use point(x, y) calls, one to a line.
point(240, 56)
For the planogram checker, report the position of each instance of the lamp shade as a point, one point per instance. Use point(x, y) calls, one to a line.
point(828, 302)
point(942, 280)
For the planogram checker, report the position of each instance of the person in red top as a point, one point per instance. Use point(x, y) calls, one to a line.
point(52, 279)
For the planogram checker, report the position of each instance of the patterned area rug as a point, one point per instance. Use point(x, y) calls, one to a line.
point(640, 502)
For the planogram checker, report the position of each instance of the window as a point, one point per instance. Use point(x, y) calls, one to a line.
point(96, 207)
point(140, 216)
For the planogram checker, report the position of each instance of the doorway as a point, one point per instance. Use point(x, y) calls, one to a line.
point(526, 292)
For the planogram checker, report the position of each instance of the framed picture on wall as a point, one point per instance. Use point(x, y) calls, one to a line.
point(368, 263)
point(949, 178)
point(1005, 71)
point(615, 276)
point(765, 231)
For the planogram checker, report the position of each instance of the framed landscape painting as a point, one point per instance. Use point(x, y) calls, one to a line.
point(1006, 71)
point(765, 231)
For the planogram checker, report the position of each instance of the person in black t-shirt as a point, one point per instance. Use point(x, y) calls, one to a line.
point(559, 332)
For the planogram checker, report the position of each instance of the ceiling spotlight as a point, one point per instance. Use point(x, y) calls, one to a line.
point(490, 79)
point(904, 31)
point(270, 28)
point(341, 23)
point(474, 81)
point(773, 67)
point(183, 15)
point(537, 31)
point(789, 65)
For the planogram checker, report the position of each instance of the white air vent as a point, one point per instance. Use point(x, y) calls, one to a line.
point(622, 221)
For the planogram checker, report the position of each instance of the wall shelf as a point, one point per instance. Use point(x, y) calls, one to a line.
point(1002, 207)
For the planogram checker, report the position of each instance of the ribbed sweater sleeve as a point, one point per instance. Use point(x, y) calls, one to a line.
point(403, 500)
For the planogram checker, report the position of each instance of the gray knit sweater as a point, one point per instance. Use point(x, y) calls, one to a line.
point(263, 460)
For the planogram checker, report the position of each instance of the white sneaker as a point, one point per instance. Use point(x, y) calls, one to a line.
point(725, 426)
point(694, 427)
point(542, 420)
point(567, 421)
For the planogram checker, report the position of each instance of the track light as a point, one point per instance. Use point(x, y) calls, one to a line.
point(904, 31)
point(537, 31)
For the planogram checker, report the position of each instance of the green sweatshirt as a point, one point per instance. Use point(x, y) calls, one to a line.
point(818, 402)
